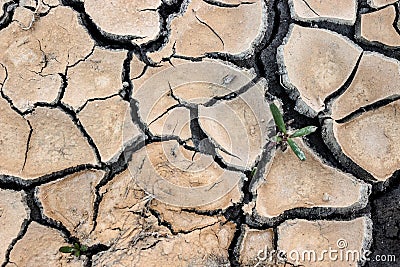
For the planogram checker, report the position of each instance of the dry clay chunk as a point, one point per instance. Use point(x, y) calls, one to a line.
point(254, 241)
point(378, 27)
point(342, 11)
point(205, 247)
point(183, 220)
point(56, 144)
point(239, 126)
point(13, 212)
point(200, 29)
point(302, 239)
point(137, 18)
point(98, 76)
point(137, 240)
point(152, 92)
point(316, 62)
point(160, 89)
point(110, 125)
point(243, 118)
point(371, 140)
point(39, 244)
point(137, 68)
point(380, 3)
point(121, 199)
point(376, 78)
point(309, 184)
point(169, 173)
point(14, 133)
point(35, 58)
point(51, 2)
point(73, 208)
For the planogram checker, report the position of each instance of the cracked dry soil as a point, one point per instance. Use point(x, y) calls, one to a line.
point(141, 129)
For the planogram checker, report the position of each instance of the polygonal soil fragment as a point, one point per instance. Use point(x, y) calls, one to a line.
point(14, 132)
point(238, 126)
point(159, 90)
point(231, 198)
point(193, 82)
point(316, 62)
point(125, 223)
point(377, 77)
point(110, 125)
point(24, 15)
point(28, 11)
point(378, 26)
point(252, 242)
point(98, 76)
point(55, 144)
point(124, 17)
point(70, 201)
point(40, 7)
point(141, 74)
point(55, 41)
point(174, 122)
point(308, 184)
point(313, 243)
point(120, 211)
point(156, 104)
point(183, 221)
point(13, 212)
point(51, 3)
point(124, 203)
point(342, 11)
point(186, 220)
point(200, 30)
point(371, 140)
point(173, 175)
point(380, 3)
point(205, 247)
point(136, 68)
point(39, 244)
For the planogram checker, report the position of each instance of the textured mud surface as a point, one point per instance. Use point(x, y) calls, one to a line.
point(142, 130)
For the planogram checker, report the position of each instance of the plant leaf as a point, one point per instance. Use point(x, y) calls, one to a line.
point(276, 113)
point(76, 245)
point(77, 253)
point(253, 172)
point(296, 149)
point(84, 248)
point(276, 139)
point(66, 249)
point(304, 131)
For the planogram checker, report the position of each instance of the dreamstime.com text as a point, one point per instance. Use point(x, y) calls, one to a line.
point(333, 254)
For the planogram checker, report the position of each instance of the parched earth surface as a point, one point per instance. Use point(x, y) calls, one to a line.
point(141, 131)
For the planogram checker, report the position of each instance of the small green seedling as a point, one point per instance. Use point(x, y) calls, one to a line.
point(253, 172)
point(283, 138)
point(76, 250)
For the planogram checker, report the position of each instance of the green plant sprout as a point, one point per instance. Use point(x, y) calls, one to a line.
point(253, 172)
point(283, 138)
point(76, 250)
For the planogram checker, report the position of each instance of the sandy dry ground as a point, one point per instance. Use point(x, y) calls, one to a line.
point(141, 132)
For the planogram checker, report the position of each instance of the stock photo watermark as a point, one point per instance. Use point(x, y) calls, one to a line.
point(340, 253)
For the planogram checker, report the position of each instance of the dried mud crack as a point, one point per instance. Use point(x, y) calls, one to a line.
point(141, 130)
